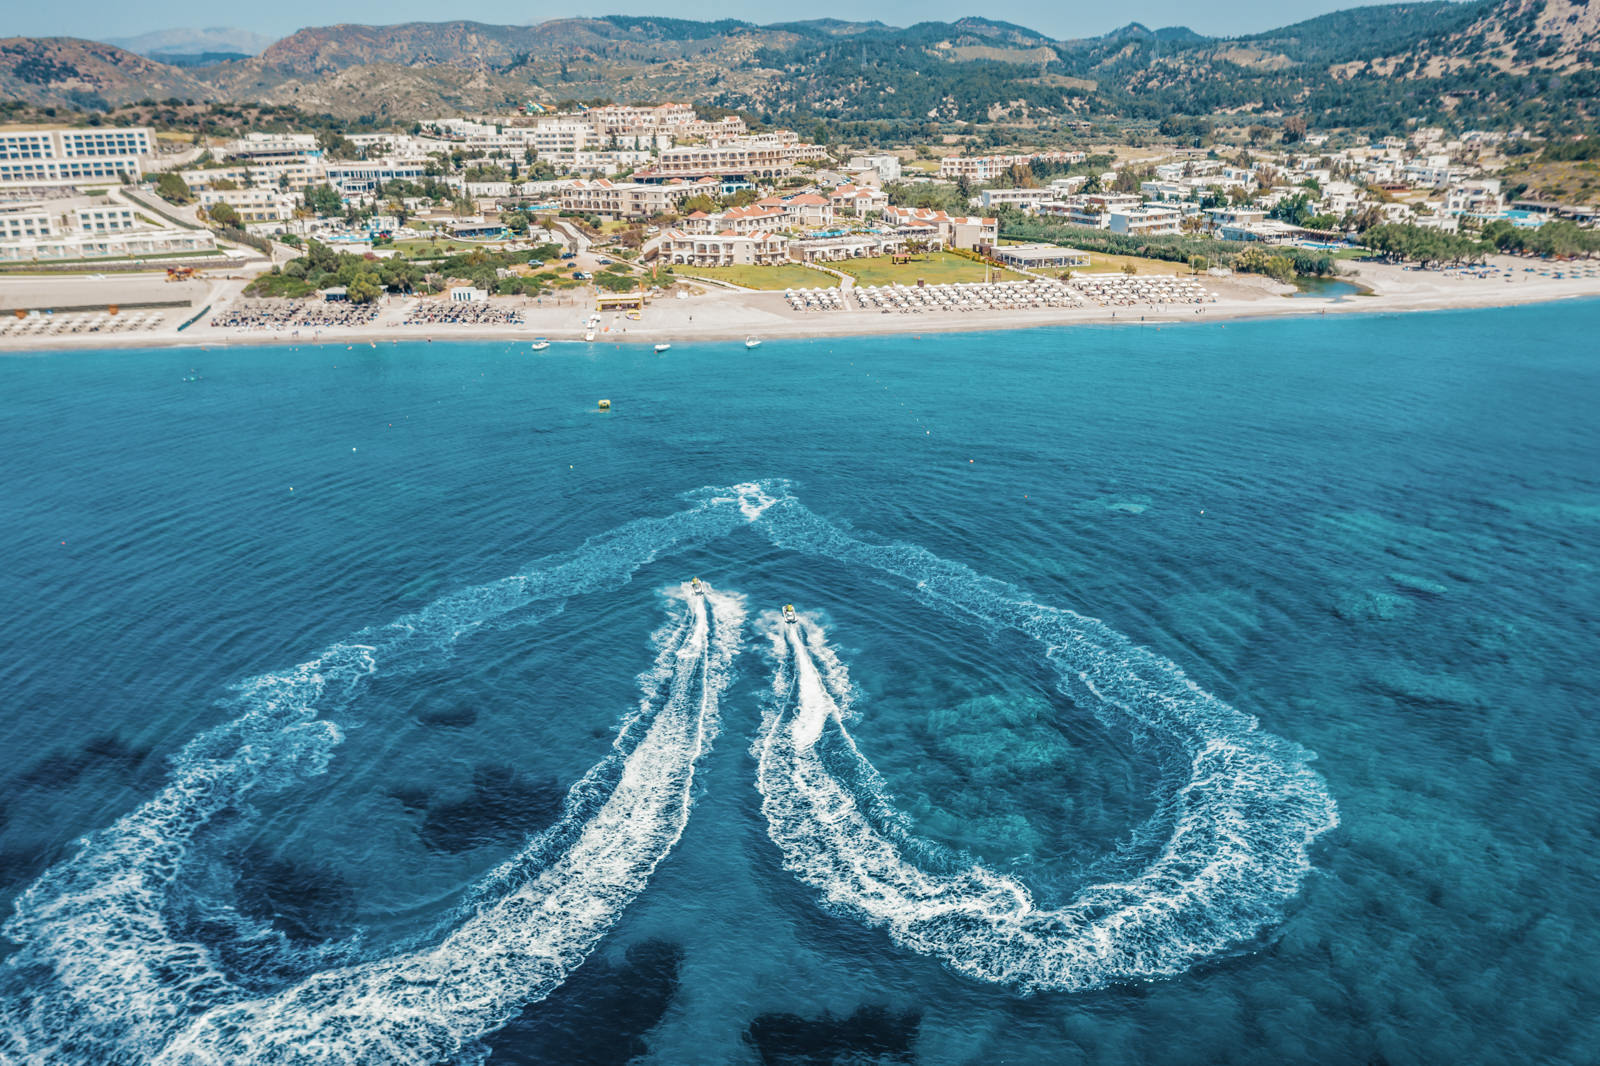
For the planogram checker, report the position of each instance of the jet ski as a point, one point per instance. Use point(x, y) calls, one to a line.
point(696, 588)
point(788, 614)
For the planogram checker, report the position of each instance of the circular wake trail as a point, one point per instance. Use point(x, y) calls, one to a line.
point(1243, 821)
point(429, 1005)
point(104, 976)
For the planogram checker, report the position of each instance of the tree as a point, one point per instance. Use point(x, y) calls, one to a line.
point(1198, 263)
point(1294, 129)
point(363, 288)
point(335, 146)
point(323, 200)
point(172, 188)
point(1295, 210)
point(1256, 260)
point(223, 215)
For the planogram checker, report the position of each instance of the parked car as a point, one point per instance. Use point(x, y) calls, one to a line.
point(603, 261)
point(578, 275)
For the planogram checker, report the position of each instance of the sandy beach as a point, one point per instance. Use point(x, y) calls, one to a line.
point(710, 313)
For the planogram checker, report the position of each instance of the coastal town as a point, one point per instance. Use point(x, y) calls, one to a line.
point(676, 219)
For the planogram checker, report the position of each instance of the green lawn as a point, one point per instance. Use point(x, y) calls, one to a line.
point(936, 268)
point(786, 276)
point(1100, 263)
point(444, 246)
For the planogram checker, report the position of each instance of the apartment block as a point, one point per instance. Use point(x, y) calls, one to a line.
point(630, 199)
point(989, 167)
point(767, 161)
point(722, 249)
point(66, 156)
point(272, 147)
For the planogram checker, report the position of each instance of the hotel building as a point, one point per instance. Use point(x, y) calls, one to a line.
point(67, 156)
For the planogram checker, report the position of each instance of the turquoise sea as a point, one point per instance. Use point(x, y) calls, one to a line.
point(1221, 693)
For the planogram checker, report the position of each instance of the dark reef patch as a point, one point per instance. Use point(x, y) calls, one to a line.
point(63, 768)
point(458, 717)
point(308, 901)
point(870, 1034)
point(598, 1017)
point(502, 810)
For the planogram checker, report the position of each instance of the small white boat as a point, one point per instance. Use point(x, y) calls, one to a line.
point(588, 335)
point(663, 346)
point(788, 614)
point(751, 342)
point(539, 344)
point(696, 588)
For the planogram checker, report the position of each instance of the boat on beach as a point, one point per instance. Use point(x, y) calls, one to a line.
point(751, 342)
point(539, 344)
point(663, 346)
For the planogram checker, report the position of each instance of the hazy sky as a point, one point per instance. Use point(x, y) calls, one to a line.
point(99, 19)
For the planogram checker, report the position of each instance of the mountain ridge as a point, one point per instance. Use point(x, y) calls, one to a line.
point(1361, 66)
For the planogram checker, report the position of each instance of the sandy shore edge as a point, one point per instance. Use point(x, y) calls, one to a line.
point(724, 315)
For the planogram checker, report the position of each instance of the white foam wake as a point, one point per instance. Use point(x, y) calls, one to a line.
point(107, 978)
point(428, 1005)
point(1244, 823)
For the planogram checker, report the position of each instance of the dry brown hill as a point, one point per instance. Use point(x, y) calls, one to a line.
point(66, 71)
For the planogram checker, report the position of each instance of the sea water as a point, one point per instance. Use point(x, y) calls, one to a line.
point(1216, 693)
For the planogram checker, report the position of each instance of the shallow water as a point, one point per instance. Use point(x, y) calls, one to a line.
point(1326, 288)
point(370, 679)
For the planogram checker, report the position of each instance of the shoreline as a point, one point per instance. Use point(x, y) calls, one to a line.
point(723, 315)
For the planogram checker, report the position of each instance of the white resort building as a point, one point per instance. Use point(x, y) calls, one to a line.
point(100, 155)
point(723, 249)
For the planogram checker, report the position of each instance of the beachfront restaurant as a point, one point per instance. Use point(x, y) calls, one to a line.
point(1040, 256)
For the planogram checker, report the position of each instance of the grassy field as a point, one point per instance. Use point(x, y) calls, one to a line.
point(936, 268)
point(787, 276)
point(1107, 264)
point(444, 246)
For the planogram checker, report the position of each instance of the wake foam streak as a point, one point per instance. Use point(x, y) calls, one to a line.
point(1243, 821)
point(104, 970)
point(430, 1005)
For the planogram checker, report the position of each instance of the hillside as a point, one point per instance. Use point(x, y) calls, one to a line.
point(1378, 68)
point(68, 72)
point(1517, 37)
